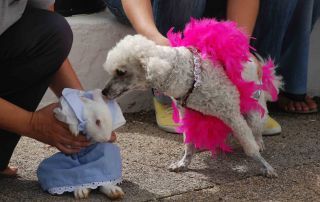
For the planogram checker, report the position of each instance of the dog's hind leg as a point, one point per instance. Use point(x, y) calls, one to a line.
point(183, 164)
point(244, 135)
point(254, 121)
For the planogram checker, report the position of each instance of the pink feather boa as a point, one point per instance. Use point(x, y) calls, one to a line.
point(223, 43)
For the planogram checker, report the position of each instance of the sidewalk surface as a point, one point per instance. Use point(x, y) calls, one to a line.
point(147, 152)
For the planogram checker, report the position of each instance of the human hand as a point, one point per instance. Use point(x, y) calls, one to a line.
point(45, 128)
point(160, 40)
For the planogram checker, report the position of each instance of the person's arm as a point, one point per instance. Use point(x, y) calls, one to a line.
point(244, 12)
point(40, 125)
point(65, 77)
point(139, 13)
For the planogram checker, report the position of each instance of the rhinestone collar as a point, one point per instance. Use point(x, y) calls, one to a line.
point(197, 62)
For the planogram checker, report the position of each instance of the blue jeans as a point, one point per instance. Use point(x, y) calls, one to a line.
point(282, 30)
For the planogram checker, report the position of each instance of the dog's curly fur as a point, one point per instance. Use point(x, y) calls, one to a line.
point(138, 63)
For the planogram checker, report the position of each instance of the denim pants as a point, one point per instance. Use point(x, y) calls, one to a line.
point(282, 30)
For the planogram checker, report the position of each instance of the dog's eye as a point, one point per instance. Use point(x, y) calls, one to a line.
point(120, 72)
point(98, 122)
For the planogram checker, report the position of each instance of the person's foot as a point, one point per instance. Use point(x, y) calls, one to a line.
point(164, 117)
point(113, 137)
point(271, 127)
point(9, 172)
point(297, 103)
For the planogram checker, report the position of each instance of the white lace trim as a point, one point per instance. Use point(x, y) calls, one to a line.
point(92, 185)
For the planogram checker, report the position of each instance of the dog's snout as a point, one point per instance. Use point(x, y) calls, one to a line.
point(105, 91)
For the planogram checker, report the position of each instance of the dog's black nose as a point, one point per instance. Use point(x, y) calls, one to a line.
point(105, 91)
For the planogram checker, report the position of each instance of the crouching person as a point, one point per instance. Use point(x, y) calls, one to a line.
point(34, 45)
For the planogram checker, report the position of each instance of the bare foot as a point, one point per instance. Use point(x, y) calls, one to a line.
point(9, 172)
point(304, 105)
point(113, 137)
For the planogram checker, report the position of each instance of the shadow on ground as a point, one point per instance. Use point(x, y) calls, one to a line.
point(148, 151)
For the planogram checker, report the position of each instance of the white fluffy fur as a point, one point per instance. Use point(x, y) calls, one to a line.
point(99, 128)
point(136, 62)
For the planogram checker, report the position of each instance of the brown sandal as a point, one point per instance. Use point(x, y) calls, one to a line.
point(298, 104)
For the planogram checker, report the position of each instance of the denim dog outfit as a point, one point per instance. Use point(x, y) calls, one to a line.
point(97, 165)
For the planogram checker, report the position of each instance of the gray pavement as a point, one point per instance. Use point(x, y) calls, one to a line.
point(147, 152)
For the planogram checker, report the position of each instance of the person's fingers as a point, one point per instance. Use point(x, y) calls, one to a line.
point(81, 138)
point(65, 140)
point(67, 149)
point(73, 142)
point(80, 144)
point(63, 125)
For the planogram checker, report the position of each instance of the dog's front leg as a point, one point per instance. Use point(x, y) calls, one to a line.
point(183, 164)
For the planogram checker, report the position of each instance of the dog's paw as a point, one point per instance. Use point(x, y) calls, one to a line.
point(269, 172)
point(112, 191)
point(81, 193)
point(178, 166)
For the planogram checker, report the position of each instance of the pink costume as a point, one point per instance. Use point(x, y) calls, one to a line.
point(223, 43)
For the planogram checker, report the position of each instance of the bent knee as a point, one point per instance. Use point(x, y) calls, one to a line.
point(60, 34)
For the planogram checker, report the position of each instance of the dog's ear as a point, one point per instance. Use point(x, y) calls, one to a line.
point(155, 68)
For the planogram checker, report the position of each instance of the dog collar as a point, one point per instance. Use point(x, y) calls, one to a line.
point(196, 73)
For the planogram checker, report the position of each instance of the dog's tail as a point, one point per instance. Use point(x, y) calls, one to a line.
point(271, 83)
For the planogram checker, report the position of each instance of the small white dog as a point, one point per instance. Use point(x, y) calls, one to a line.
point(87, 113)
point(138, 63)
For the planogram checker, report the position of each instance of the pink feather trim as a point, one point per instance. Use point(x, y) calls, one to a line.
point(267, 79)
point(204, 132)
point(223, 43)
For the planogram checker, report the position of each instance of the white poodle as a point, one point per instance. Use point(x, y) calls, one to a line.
point(138, 63)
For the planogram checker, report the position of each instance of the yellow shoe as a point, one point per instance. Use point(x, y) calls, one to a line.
point(164, 117)
point(271, 127)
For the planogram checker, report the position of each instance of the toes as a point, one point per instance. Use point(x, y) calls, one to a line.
point(297, 106)
point(270, 173)
point(81, 193)
point(177, 167)
point(311, 103)
point(291, 106)
point(304, 106)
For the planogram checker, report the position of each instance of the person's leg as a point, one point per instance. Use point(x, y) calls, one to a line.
point(115, 6)
point(295, 49)
point(271, 26)
point(176, 13)
point(315, 12)
point(294, 58)
point(172, 14)
point(28, 61)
